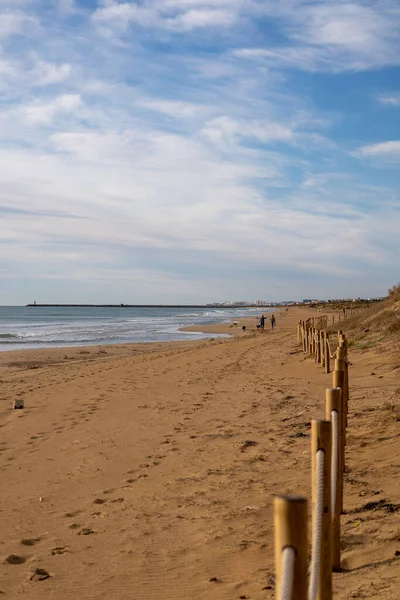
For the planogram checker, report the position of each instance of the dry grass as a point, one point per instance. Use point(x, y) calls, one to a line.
point(393, 409)
point(394, 292)
point(377, 325)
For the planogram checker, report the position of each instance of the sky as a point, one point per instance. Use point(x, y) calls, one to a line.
point(157, 151)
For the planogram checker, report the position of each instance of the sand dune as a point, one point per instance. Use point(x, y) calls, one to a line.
point(149, 471)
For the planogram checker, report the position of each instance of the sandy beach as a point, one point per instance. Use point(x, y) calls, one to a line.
point(148, 471)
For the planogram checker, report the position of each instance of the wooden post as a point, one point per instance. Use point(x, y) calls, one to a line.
point(318, 353)
point(321, 439)
point(339, 382)
point(315, 344)
point(290, 522)
point(322, 345)
point(304, 337)
point(342, 353)
point(327, 354)
point(339, 334)
point(333, 403)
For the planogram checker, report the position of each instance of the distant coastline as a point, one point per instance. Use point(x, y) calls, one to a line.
point(148, 306)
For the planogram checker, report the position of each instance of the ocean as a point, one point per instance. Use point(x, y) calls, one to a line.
point(41, 327)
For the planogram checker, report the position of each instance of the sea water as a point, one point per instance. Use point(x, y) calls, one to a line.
point(40, 327)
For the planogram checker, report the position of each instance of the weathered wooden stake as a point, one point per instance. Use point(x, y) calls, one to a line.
point(333, 403)
point(343, 354)
point(290, 521)
point(339, 382)
point(318, 352)
point(322, 343)
point(327, 354)
point(321, 439)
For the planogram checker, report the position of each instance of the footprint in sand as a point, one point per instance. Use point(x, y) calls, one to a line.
point(14, 559)
point(71, 515)
point(30, 541)
point(59, 551)
point(86, 531)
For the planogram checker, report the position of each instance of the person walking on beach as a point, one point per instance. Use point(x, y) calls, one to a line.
point(262, 322)
point(273, 321)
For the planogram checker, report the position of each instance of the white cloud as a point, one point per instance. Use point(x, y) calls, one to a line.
point(39, 113)
point(67, 6)
point(202, 18)
point(172, 16)
point(386, 150)
point(225, 131)
point(175, 109)
point(338, 36)
point(351, 26)
point(16, 23)
point(7, 69)
point(391, 99)
point(125, 13)
point(317, 36)
point(149, 190)
point(16, 74)
point(45, 73)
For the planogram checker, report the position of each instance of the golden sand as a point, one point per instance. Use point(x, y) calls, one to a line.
point(148, 471)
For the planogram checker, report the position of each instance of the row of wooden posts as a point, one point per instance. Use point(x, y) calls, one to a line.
point(340, 315)
point(291, 512)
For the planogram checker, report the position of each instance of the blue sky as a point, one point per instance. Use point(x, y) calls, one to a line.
point(198, 150)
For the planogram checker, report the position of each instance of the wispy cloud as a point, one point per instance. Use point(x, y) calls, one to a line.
point(192, 145)
point(391, 99)
point(174, 16)
point(387, 150)
point(43, 113)
point(325, 36)
point(16, 22)
point(20, 212)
